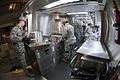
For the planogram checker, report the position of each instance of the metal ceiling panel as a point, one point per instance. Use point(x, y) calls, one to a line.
point(38, 4)
point(76, 7)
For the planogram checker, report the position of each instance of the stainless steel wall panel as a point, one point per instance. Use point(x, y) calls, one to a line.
point(46, 24)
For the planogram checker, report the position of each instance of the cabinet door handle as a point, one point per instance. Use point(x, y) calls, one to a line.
point(46, 50)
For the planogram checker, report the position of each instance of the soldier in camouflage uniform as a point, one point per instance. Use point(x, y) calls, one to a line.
point(69, 39)
point(17, 34)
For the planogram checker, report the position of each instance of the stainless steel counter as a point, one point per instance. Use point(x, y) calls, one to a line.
point(34, 46)
point(94, 49)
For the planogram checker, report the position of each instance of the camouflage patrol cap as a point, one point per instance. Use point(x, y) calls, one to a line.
point(22, 18)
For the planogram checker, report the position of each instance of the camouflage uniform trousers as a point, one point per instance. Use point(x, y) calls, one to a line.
point(20, 54)
point(68, 51)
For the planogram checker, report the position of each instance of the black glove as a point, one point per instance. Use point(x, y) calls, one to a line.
point(26, 40)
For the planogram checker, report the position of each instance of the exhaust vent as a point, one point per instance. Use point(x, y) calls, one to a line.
point(99, 1)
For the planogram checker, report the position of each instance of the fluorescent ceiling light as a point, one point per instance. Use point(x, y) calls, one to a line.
point(53, 4)
point(77, 13)
point(59, 3)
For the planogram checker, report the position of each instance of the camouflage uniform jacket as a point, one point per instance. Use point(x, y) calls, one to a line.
point(16, 36)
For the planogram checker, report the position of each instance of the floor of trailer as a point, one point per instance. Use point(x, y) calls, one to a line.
point(60, 72)
point(15, 75)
